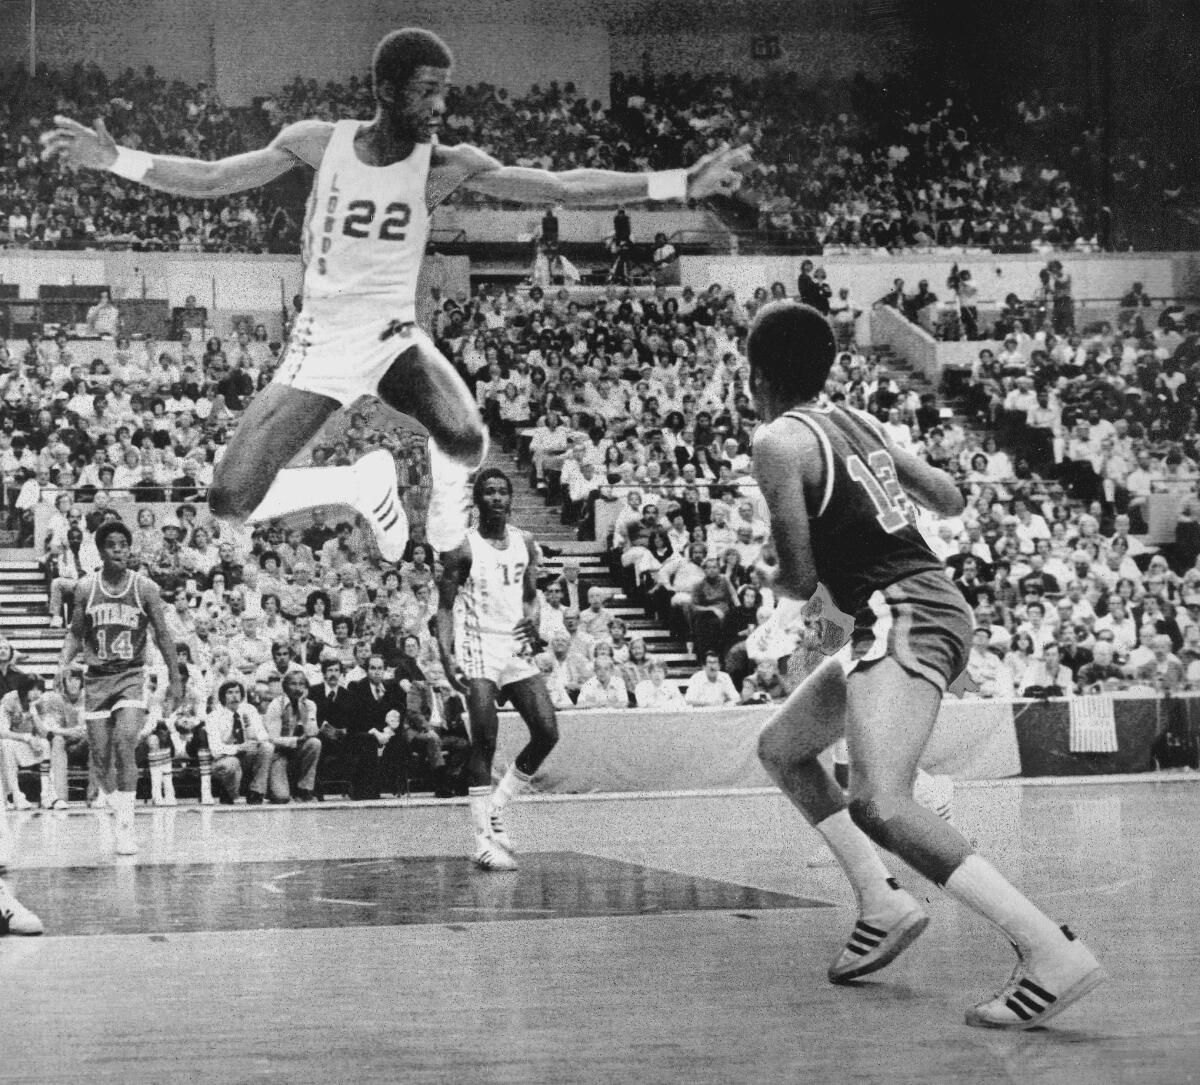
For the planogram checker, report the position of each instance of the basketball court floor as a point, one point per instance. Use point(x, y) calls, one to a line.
point(652, 939)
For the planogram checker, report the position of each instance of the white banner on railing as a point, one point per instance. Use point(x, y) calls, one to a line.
point(1093, 724)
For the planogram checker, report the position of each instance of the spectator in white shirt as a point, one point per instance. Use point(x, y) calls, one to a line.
point(291, 726)
point(552, 674)
point(899, 431)
point(710, 687)
point(239, 745)
point(605, 689)
point(658, 693)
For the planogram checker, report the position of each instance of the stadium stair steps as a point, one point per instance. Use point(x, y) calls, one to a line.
point(25, 618)
point(531, 512)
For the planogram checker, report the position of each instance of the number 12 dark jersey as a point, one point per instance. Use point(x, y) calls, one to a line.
point(863, 532)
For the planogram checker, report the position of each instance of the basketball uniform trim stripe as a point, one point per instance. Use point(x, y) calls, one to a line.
point(826, 456)
point(872, 423)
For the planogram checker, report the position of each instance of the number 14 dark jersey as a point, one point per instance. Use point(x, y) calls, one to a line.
point(114, 625)
point(863, 532)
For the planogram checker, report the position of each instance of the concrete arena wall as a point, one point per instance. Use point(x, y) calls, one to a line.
point(223, 282)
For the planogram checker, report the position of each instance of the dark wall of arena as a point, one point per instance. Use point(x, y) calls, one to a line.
point(250, 48)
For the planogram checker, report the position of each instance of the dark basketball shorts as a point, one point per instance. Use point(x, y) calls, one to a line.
point(922, 622)
point(103, 694)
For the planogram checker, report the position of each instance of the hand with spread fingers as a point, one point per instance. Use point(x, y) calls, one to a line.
point(718, 173)
point(78, 146)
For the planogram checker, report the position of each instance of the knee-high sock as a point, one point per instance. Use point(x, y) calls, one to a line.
point(297, 488)
point(510, 786)
point(122, 806)
point(864, 870)
point(983, 889)
point(478, 799)
point(5, 836)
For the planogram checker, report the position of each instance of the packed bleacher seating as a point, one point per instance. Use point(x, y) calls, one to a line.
point(914, 175)
point(630, 413)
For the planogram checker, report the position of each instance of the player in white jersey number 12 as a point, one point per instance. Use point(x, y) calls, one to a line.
point(486, 624)
point(368, 219)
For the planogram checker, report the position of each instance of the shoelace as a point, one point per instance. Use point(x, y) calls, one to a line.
point(1015, 978)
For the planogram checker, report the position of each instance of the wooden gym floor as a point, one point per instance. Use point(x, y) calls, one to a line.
point(675, 939)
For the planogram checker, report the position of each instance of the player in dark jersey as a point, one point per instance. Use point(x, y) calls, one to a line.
point(841, 499)
point(486, 651)
point(113, 610)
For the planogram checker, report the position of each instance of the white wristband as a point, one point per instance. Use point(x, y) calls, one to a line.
point(130, 164)
point(668, 185)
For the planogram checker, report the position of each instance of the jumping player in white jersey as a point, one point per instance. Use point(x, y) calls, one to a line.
point(841, 497)
point(493, 578)
point(364, 239)
point(114, 609)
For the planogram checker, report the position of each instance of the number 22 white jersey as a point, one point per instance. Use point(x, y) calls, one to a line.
point(365, 232)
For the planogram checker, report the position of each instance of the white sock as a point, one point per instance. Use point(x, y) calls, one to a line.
point(155, 780)
point(5, 838)
point(510, 786)
point(297, 488)
point(864, 869)
point(478, 799)
point(122, 805)
point(444, 471)
point(983, 889)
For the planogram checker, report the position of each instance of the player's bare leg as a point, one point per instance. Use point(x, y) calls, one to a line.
point(814, 716)
point(113, 743)
point(253, 483)
point(485, 726)
point(532, 700)
point(423, 384)
point(934, 792)
point(890, 716)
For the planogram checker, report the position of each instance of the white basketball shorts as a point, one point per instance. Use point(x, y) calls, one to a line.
point(495, 657)
point(345, 359)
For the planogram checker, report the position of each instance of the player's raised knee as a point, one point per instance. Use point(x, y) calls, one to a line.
point(771, 748)
point(225, 500)
point(463, 439)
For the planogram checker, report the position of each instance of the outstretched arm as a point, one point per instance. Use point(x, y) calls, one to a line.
point(716, 173)
point(80, 147)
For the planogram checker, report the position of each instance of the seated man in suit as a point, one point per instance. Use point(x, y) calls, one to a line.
point(378, 715)
point(343, 749)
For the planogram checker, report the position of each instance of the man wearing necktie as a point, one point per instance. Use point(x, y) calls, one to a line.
point(291, 724)
point(378, 716)
point(239, 746)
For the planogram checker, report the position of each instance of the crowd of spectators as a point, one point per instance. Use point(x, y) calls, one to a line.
point(633, 417)
point(637, 425)
point(884, 175)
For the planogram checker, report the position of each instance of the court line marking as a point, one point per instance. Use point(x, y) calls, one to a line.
point(1170, 777)
point(694, 874)
point(336, 900)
